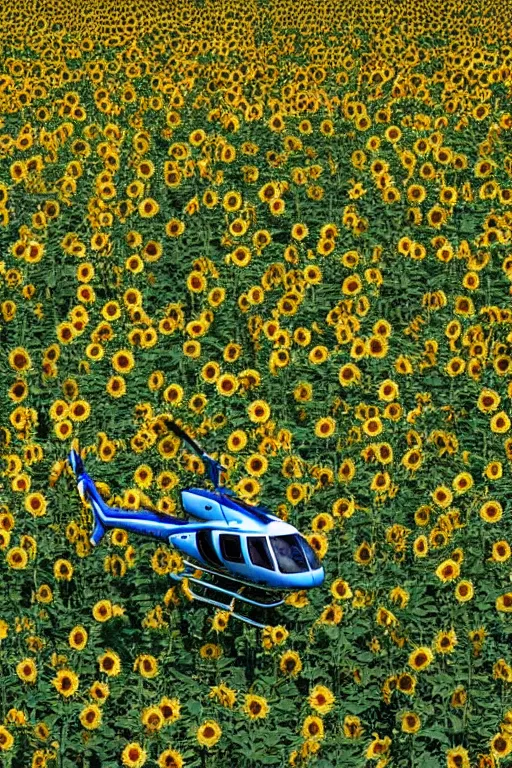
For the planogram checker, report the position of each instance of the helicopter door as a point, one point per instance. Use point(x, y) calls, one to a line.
point(258, 552)
point(205, 547)
point(230, 548)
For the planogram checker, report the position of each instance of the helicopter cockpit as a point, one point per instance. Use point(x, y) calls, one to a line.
point(271, 556)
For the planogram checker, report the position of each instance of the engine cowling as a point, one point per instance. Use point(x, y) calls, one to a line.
point(200, 506)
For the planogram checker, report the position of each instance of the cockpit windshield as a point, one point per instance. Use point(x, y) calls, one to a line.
point(289, 555)
point(312, 559)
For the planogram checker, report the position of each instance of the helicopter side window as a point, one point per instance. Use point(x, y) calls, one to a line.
point(230, 548)
point(205, 547)
point(289, 555)
point(258, 552)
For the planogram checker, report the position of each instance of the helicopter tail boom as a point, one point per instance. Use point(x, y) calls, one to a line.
point(89, 493)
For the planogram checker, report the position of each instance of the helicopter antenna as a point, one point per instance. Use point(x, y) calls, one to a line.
point(214, 466)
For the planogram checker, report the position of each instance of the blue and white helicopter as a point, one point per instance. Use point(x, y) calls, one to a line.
point(242, 544)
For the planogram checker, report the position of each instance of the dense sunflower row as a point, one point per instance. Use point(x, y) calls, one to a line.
point(287, 228)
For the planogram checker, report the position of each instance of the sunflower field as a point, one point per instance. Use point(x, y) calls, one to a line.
point(287, 227)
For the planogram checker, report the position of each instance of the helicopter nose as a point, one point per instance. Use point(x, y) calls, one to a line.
point(317, 577)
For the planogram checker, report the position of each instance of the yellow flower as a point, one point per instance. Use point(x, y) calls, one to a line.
point(321, 699)
point(102, 610)
point(224, 695)
point(210, 651)
point(66, 682)
point(6, 739)
point(90, 717)
point(78, 638)
point(27, 670)
point(122, 361)
point(457, 757)
point(152, 718)
point(17, 558)
point(170, 709)
point(491, 511)
point(133, 756)
point(19, 359)
point(220, 621)
point(110, 663)
point(146, 665)
point(99, 691)
point(259, 411)
point(448, 570)
point(148, 208)
point(420, 658)
point(209, 733)
point(313, 727)
point(290, 663)
point(170, 758)
point(411, 723)
point(255, 707)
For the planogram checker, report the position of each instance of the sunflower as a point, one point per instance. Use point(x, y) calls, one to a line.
point(340, 590)
point(488, 400)
point(79, 410)
point(208, 733)
point(36, 504)
point(442, 496)
point(258, 411)
point(44, 594)
point(90, 717)
point(146, 665)
point(325, 427)
point(78, 638)
point(406, 683)
point(220, 621)
point(313, 727)
point(19, 359)
point(445, 642)
point(448, 570)
point(116, 386)
point(66, 682)
point(99, 691)
point(6, 739)
point(170, 758)
point(123, 361)
point(210, 651)
point(420, 658)
point(102, 610)
point(255, 707)
point(227, 384)
point(290, 663)
point(170, 709)
point(63, 570)
point(148, 207)
point(457, 757)
point(224, 695)
point(411, 723)
point(462, 482)
point(491, 511)
point(321, 699)
point(501, 551)
point(133, 755)
point(26, 670)
point(501, 744)
point(500, 423)
point(152, 718)
point(110, 663)
point(331, 615)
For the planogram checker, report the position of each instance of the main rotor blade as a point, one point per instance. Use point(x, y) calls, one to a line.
point(184, 436)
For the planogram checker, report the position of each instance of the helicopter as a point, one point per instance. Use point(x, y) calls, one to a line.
point(243, 545)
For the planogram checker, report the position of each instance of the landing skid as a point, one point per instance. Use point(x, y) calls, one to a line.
point(191, 567)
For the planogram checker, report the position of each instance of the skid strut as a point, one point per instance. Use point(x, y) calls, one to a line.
point(191, 567)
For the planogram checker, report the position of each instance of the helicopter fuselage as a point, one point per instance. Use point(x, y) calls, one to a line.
point(227, 535)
